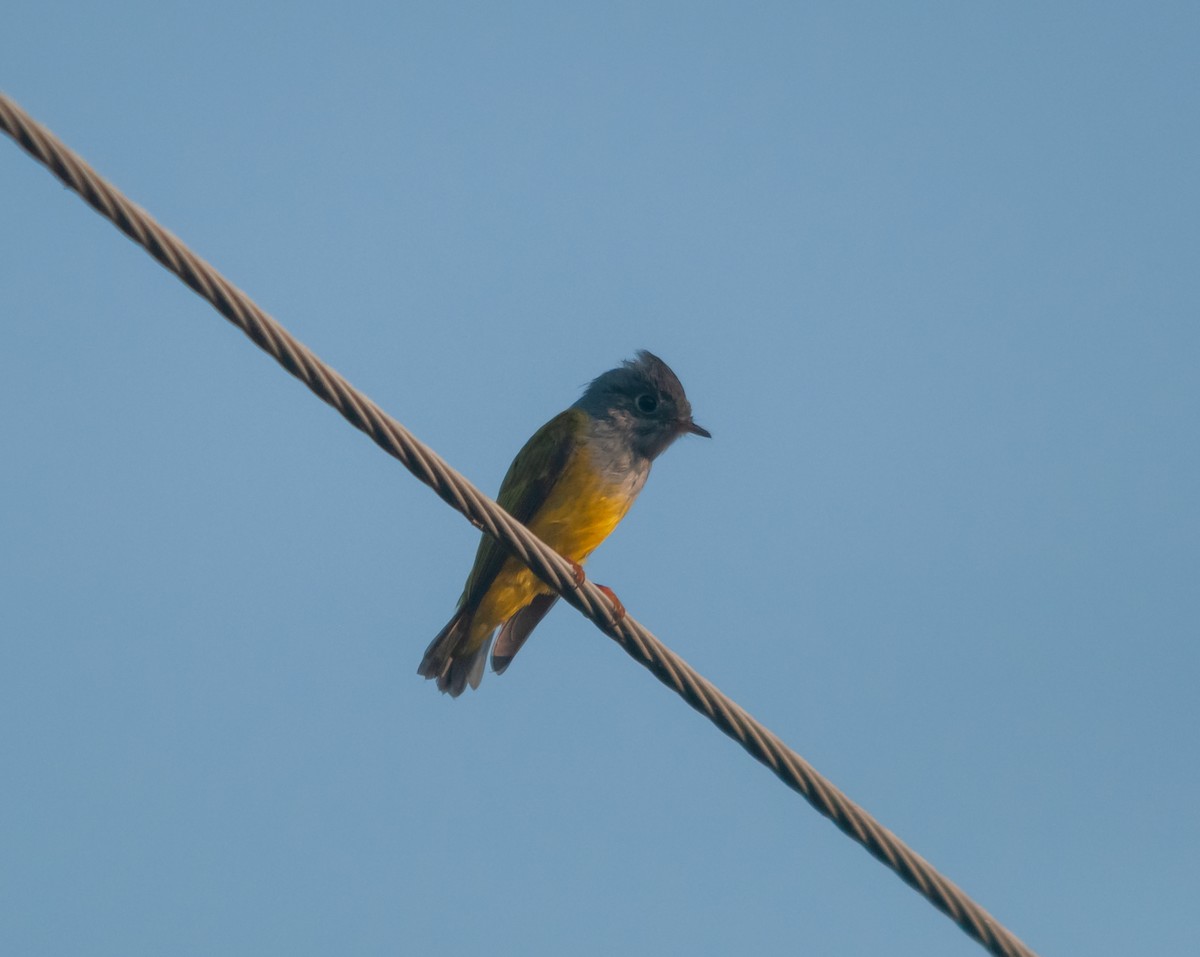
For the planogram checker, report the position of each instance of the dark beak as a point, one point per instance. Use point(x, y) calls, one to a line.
point(690, 426)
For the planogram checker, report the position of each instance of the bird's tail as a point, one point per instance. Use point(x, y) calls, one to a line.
point(448, 660)
point(515, 632)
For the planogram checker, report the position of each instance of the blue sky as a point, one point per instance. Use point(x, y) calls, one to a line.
point(929, 276)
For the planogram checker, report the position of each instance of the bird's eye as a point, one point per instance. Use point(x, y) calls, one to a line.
point(646, 403)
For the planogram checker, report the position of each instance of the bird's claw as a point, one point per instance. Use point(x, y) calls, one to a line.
point(618, 610)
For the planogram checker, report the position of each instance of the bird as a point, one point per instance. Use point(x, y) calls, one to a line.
point(571, 484)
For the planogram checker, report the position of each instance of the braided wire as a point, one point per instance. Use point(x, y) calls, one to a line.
point(483, 512)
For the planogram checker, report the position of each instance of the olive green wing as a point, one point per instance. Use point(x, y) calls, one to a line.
point(533, 473)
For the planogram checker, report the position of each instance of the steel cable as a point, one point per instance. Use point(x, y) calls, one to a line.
point(426, 465)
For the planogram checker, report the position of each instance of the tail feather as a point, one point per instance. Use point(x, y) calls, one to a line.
point(517, 629)
point(447, 659)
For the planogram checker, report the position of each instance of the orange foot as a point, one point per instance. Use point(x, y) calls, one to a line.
point(618, 608)
point(577, 573)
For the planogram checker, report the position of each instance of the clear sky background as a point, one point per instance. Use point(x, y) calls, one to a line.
point(929, 274)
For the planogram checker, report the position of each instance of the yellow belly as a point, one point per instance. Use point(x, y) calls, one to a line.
point(581, 511)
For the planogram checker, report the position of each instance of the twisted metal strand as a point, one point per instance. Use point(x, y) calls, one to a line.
point(551, 567)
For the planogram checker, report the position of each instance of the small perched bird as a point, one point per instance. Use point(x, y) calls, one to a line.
point(571, 484)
